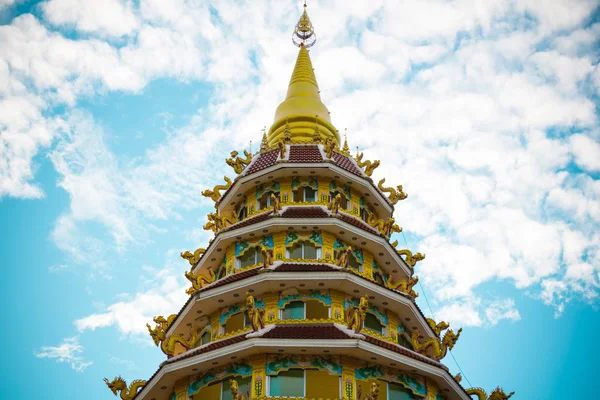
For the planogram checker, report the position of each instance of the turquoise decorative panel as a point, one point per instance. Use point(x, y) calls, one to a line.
point(414, 383)
point(240, 369)
point(331, 364)
point(240, 247)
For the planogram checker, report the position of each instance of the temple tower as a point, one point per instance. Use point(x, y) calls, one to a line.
point(300, 293)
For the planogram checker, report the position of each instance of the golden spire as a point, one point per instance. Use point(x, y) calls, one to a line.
point(303, 101)
point(346, 149)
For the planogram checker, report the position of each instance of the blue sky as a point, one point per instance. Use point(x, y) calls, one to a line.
point(114, 118)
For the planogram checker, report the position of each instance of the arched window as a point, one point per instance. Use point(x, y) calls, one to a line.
point(248, 258)
point(373, 323)
point(309, 309)
point(306, 250)
point(305, 194)
point(396, 391)
point(235, 322)
point(293, 310)
point(264, 200)
point(205, 338)
point(354, 263)
point(344, 203)
point(290, 383)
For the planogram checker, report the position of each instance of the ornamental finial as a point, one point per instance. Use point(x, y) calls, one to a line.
point(304, 33)
point(346, 149)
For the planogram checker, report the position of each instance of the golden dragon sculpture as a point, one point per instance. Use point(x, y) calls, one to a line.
point(395, 195)
point(405, 286)
point(237, 163)
point(356, 316)
point(440, 347)
point(255, 314)
point(369, 166)
point(497, 394)
point(167, 344)
point(199, 281)
point(386, 227)
point(193, 258)
point(217, 222)
point(120, 385)
point(214, 194)
point(411, 259)
point(437, 328)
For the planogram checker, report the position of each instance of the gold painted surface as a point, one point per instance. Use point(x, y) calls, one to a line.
point(321, 384)
point(302, 110)
point(119, 385)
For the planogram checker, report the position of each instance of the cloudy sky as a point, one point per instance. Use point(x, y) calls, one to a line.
point(114, 115)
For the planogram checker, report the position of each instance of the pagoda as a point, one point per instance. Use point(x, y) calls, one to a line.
point(300, 293)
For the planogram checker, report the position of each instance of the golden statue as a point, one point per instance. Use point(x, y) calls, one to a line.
point(235, 390)
point(255, 314)
point(238, 163)
point(438, 328)
point(199, 281)
point(167, 344)
point(411, 259)
point(267, 256)
point(276, 204)
point(217, 222)
point(497, 394)
point(334, 204)
point(440, 347)
point(343, 257)
point(395, 194)
point(356, 316)
point(214, 194)
point(374, 393)
point(119, 385)
point(282, 149)
point(386, 227)
point(193, 258)
point(329, 147)
point(370, 165)
point(405, 286)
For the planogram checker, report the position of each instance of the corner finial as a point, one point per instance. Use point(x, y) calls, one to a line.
point(346, 148)
point(304, 33)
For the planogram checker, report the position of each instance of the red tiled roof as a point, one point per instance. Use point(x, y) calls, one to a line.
point(265, 160)
point(358, 223)
point(345, 163)
point(305, 332)
point(400, 350)
point(212, 346)
point(305, 212)
point(249, 221)
point(232, 278)
point(305, 154)
point(291, 267)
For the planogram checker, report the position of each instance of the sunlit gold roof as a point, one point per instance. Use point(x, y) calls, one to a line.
point(302, 110)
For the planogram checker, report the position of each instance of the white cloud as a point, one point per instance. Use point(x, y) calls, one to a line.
point(502, 309)
point(110, 17)
point(127, 363)
point(586, 151)
point(470, 107)
point(69, 351)
point(164, 293)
